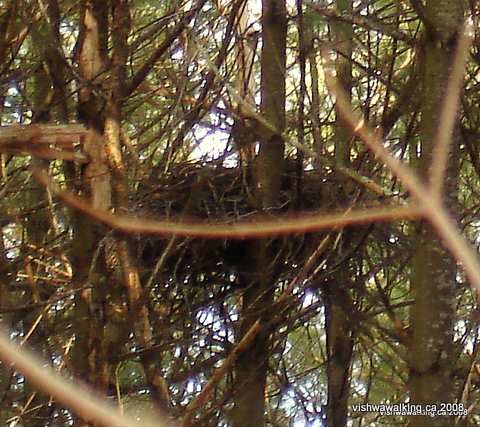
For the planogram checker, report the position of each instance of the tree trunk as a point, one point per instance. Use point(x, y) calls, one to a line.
point(44, 38)
point(431, 352)
point(337, 293)
point(89, 351)
point(138, 311)
point(252, 365)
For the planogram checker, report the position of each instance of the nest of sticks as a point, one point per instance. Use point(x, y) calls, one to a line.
point(212, 192)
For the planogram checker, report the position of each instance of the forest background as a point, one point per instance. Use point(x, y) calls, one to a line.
point(231, 213)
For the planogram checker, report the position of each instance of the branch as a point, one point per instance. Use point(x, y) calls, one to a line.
point(257, 226)
point(419, 8)
point(81, 400)
point(34, 140)
point(201, 399)
point(142, 73)
point(370, 23)
point(42, 134)
point(432, 208)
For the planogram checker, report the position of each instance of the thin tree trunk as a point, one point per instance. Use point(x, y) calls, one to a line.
point(43, 38)
point(88, 350)
point(242, 136)
point(339, 349)
point(337, 293)
point(138, 311)
point(252, 365)
point(342, 42)
point(431, 352)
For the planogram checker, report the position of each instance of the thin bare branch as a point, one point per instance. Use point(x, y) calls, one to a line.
point(433, 209)
point(419, 8)
point(368, 22)
point(41, 133)
point(256, 226)
point(142, 73)
point(81, 400)
point(201, 399)
point(448, 117)
point(34, 140)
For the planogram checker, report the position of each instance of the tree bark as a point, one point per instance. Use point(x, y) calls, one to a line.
point(432, 351)
point(252, 365)
point(88, 353)
point(138, 311)
point(337, 293)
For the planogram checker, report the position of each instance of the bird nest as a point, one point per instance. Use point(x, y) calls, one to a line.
point(215, 192)
point(212, 193)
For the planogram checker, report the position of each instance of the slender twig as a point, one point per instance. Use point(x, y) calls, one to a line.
point(368, 22)
point(142, 73)
point(256, 226)
point(81, 400)
point(448, 116)
point(419, 8)
point(201, 399)
point(433, 209)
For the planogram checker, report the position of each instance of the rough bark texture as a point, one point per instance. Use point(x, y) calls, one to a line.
point(433, 282)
